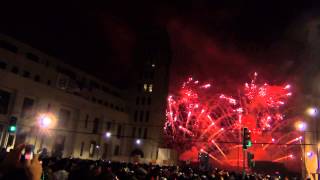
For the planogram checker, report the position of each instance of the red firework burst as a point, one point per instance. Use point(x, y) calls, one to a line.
point(212, 124)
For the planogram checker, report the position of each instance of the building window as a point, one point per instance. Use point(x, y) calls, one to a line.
point(141, 116)
point(37, 78)
point(64, 117)
point(26, 74)
point(8, 46)
point(134, 132)
point(49, 82)
point(135, 116)
point(145, 134)
point(27, 106)
point(139, 87)
point(152, 75)
point(108, 126)
point(119, 131)
point(95, 125)
point(139, 133)
point(137, 100)
point(117, 150)
point(3, 65)
point(4, 101)
point(32, 57)
point(15, 70)
point(92, 148)
point(143, 100)
point(149, 100)
point(150, 88)
point(145, 87)
point(86, 121)
point(81, 148)
point(147, 116)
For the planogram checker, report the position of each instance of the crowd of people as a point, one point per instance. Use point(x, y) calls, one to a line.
point(48, 168)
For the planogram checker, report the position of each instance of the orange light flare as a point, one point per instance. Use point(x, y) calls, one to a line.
point(283, 158)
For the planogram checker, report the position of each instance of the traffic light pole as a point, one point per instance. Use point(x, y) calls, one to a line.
point(244, 164)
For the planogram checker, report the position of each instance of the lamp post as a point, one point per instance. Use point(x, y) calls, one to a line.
point(44, 122)
point(302, 126)
point(313, 112)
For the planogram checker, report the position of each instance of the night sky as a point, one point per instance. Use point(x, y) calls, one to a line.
point(212, 40)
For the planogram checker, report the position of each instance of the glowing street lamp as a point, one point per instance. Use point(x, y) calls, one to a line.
point(312, 111)
point(45, 121)
point(301, 126)
point(309, 154)
point(108, 134)
point(138, 141)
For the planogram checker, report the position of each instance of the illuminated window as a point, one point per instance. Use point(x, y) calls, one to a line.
point(133, 132)
point(86, 121)
point(141, 115)
point(117, 150)
point(147, 116)
point(135, 116)
point(145, 87)
point(150, 87)
point(81, 148)
point(92, 148)
point(139, 132)
point(145, 134)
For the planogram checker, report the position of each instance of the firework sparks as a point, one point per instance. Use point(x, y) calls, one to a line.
point(194, 120)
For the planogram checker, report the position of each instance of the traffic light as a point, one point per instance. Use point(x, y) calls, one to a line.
point(12, 128)
point(246, 139)
point(250, 158)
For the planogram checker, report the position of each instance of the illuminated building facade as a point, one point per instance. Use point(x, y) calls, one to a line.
point(92, 118)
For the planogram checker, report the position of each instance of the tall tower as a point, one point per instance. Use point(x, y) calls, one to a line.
point(149, 92)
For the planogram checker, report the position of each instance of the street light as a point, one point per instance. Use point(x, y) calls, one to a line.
point(108, 134)
point(138, 141)
point(313, 112)
point(301, 126)
point(44, 121)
